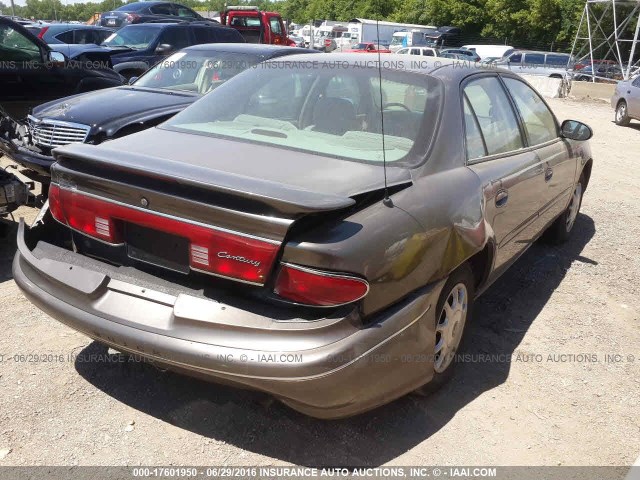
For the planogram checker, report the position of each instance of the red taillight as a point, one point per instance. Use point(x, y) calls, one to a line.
point(322, 289)
point(42, 32)
point(132, 17)
point(211, 250)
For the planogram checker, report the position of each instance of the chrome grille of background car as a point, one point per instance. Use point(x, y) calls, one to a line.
point(55, 133)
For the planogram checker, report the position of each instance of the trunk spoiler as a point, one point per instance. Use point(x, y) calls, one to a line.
point(286, 199)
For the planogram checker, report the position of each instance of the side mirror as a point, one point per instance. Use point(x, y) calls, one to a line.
point(163, 48)
point(574, 130)
point(56, 58)
point(132, 80)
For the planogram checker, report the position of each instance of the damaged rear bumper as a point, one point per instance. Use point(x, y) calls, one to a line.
point(331, 367)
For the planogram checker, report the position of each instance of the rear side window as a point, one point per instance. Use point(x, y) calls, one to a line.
point(538, 120)
point(534, 59)
point(496, 119)
point(557, 60)
point(162, 9)
point(83, 36)
point(473, 136)
point(65, 37)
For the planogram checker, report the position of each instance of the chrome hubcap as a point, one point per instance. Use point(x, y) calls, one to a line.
point(450, 327)
point(622, 111)
point(574, 206)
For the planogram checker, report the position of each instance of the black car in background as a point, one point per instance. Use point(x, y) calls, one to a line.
point(32, 73)
point(144, 45)
point(163, 91)
point(143, 12)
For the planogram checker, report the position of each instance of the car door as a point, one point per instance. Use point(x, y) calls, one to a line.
point(26, 77)
point(633, 98)
point(514, 62)
point(558, 160)
point(511, 175)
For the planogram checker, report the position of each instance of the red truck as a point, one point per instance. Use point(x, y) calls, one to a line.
point(257, 26)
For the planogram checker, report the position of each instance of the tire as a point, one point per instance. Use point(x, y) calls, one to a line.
point(622, 114)
point(444, 365)
point(560, 230)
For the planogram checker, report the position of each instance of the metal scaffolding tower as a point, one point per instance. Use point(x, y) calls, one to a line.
point(604, 34)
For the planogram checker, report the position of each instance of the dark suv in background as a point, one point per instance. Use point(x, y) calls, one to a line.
point(146, 44)
point(143, 12)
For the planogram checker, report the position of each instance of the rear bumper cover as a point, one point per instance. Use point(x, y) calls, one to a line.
point(330, 368)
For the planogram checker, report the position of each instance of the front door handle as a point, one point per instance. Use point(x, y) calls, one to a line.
point(548, 174)
point(501, 198)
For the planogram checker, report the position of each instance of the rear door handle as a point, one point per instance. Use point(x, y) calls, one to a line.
point(501, 198)
point(548, 174)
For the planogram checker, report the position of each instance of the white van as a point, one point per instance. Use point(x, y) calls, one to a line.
point(423, 51)
point(490, 51)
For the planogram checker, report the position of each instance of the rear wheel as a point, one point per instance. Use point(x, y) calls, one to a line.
point(453, 312)
point(622, 114)
point(560, 230)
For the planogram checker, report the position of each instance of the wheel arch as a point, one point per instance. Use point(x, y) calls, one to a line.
point(586, 172)
point(481, 264)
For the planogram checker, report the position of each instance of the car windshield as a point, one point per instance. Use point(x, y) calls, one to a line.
point(360, 46)
point(299, 105)
point(197, 71)
point(132, 36)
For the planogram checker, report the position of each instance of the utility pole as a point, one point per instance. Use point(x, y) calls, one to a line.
point(13, 9)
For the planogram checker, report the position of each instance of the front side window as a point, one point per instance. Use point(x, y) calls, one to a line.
point(319, 111)
point(185, 12)
point(16, 47)
point(496, 118)
point(132, 37)
point(515, 58)
point(636, 82)
point(274, 22)
point(177, 37)
point(538, 119)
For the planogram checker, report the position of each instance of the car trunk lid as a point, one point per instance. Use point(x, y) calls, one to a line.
point(184, 213)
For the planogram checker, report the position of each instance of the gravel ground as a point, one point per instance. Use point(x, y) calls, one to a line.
point(545, 407)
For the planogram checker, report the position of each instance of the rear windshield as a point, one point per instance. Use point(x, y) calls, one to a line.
point(303, 106)
point(133, 36)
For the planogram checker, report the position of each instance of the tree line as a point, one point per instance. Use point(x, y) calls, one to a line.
point(544, 24)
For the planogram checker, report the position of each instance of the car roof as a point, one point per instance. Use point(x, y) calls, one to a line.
point(540, 51)
point(256, 48)
point(72, 26)
point(451, 70)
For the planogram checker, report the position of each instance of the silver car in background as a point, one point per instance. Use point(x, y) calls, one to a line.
point(626, 101)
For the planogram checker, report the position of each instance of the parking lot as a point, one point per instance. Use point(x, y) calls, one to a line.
point(551, 373)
